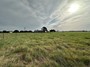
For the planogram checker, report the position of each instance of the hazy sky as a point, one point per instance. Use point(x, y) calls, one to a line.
point(54, 14)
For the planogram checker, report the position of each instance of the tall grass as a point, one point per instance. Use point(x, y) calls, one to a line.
point(65, 49)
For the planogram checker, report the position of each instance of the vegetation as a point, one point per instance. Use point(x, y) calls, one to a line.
point(52, 30)
point(58, 49)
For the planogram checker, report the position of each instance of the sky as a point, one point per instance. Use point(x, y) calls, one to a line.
point(53, 14)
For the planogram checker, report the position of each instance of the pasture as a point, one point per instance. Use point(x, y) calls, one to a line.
point(59, 49)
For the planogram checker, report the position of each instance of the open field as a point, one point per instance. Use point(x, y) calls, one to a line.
point(60, 49)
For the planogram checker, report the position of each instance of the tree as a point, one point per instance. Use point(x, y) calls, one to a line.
point(52, 30)
point(44, 29)
point(30, 31)
point(4, 31)
point(16, 31)
point(21, 31)
point(0, 31)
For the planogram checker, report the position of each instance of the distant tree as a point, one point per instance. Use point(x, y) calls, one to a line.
point(21, 31)
point(44, 29)
point(30, 31)
point(52, 30)
point(36, 31)
point(25, 31)
point(4, 31)
point(16, 31)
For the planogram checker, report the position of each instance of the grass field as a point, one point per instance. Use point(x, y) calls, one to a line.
point(60, 49)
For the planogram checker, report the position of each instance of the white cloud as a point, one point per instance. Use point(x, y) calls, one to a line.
point(76, 21)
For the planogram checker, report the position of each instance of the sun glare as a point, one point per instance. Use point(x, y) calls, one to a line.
point(73, 8)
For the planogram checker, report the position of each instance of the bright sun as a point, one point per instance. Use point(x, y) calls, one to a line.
point(73, 8)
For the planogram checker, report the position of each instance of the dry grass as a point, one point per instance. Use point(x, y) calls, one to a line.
point(65, 49)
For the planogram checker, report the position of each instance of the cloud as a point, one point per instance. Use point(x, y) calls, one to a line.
point(33, 14)
point(76, 21)
point(25, 13)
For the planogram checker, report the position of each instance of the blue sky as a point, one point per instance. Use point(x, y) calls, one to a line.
point(33, 14)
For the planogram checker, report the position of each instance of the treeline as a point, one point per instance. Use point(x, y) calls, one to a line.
point(77, 31)
point(43, 30)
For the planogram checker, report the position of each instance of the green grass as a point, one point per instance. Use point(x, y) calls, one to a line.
point(60, 49)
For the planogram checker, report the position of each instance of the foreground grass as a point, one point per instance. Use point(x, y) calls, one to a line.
point(65, 49)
